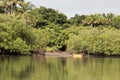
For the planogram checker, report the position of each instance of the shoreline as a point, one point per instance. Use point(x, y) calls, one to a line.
point(65, 54)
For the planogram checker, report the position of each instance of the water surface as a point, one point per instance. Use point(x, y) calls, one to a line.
point(58, 68)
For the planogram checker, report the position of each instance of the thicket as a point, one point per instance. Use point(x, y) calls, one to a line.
point(95, 40)
point(16, 37)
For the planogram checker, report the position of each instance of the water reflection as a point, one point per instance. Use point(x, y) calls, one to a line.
point(58, 68)
point(15, 68)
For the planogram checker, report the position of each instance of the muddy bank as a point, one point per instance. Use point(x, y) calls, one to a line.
point(70, 54)
point(92, 55)
point(56, 54)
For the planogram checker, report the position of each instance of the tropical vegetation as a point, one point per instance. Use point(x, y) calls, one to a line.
point(25, 29)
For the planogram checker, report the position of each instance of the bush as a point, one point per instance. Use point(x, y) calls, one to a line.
point(95, 40)
point(14, 35)
point(20, 46)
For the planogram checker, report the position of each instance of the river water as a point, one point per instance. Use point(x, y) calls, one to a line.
point(59, 68)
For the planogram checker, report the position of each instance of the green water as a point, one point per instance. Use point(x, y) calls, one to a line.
point(55, 68)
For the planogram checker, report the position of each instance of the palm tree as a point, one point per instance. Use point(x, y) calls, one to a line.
point(24, 10)
point(95, 20)
point(9, 6)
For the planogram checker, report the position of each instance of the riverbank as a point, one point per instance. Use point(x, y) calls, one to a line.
point(70, 54)
point(56, 54)
point(61, 54)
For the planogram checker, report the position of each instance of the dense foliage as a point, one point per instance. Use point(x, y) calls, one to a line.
point(95, 40)
point(25, 29)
